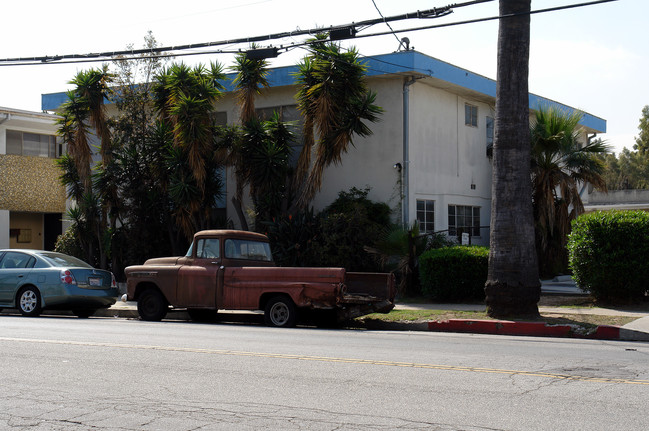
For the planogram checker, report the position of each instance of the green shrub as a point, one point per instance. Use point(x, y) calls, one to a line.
point(292, 238)
point(342, 241)
point(454, 273)
point(68, 243)
point(608, 254)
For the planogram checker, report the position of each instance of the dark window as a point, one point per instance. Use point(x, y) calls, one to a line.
point(220, 118)
point(247, 249)
point(470, 115)
point(33, 144)
point(489, 123)
point(13, 259)
point(426, 215)
point(463, 219)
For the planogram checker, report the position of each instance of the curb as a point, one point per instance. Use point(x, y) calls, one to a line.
point(466, 326)
point(534, 329)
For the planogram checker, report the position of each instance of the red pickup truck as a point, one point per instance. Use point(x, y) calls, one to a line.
point(234, 270)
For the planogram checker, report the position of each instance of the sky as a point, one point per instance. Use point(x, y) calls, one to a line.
point(593, 58)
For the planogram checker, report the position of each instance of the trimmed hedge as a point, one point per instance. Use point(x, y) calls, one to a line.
point(609, 254)
point(454, 273)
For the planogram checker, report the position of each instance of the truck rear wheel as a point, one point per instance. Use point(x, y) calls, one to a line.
point(152, 306)
point(280, 312)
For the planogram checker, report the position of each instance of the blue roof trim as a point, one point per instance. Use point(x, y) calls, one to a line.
point(398, 62)
point(52, 101)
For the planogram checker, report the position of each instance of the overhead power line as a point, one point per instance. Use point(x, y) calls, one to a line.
point(359, 26)
point(351, 29)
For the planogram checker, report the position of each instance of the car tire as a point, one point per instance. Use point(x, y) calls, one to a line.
point(152, 306)
point(83, 313)
point(280, 312)
point(29, 302)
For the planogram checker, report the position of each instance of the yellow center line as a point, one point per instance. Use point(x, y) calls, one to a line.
point(332, 360)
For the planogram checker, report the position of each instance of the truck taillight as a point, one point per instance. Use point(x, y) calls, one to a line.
point(67, 277)
point(113, 282)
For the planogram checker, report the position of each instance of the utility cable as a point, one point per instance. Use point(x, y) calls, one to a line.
point(166, 51)
point(430, 13)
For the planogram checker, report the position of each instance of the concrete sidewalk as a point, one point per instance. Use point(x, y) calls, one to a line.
point(638, 330)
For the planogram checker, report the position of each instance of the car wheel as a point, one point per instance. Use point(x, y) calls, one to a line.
point(83, 314)
point(202, 315)
point(29, 302)
point(152, 306)
point(281, 312)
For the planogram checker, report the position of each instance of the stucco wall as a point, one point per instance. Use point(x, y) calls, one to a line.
point(30, 184)
point(31, 222)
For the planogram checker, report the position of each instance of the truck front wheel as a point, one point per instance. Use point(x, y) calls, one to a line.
point(281, 312)
point(152, 306)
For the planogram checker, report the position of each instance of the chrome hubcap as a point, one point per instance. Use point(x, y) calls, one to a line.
point(28, 301)
point(279, 314)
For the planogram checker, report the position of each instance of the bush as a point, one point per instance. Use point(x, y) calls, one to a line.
point(336, 237)
point(608, 254)
point(342, 241)
point(68, 243)
point(292, 238)
point(454, 273)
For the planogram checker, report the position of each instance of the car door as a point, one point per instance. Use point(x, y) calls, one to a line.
point(14, 268)
point(198, 278)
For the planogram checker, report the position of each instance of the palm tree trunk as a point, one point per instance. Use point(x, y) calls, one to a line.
point(513, 286)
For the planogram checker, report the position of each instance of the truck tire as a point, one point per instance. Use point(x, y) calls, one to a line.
point(152, 306)
point(29, 302)
point(280, 312)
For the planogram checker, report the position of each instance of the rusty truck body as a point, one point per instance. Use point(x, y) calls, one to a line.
point(234, 270)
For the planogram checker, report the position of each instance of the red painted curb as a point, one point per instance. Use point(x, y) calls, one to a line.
point(507, 327)
point(606, 332)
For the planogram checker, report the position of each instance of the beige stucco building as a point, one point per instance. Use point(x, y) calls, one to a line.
point(32, 199)
point(428, 157)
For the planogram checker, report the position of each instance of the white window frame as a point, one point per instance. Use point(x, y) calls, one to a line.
point(474, 226)
point(426, 216)
point(470, 115)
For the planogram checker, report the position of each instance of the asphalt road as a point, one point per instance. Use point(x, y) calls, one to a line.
point(64, 373)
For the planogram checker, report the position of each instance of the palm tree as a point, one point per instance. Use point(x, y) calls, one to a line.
point(335, 102)
point(250, 81)
point(184, 99)
point(560, 166)
point(512, 286)
point(266, 150)
point(93, 86)
point(73, 130)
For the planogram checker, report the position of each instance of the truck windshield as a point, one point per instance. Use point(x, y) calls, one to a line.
point(247, 249)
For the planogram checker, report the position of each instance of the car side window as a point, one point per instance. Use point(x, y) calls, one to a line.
point(13, 259)
point(208, 248)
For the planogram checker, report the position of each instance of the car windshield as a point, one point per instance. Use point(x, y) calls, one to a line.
point(58, 259)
